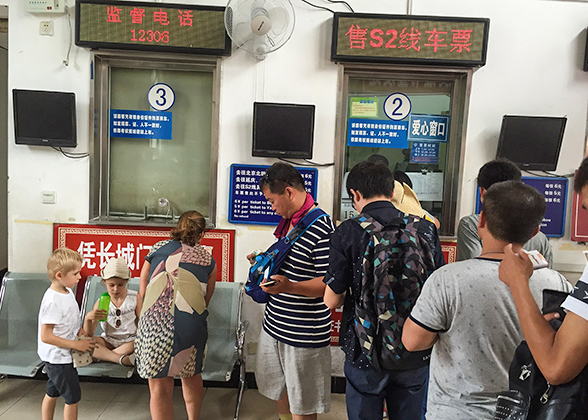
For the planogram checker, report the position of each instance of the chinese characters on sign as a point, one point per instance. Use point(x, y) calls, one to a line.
point(152, 26)
point(424, 152)
point(140, 124)
point(410, 39)
point(377, 133)
point(428, 127)
point(97, 244)
point(364, 107)
point(247, 204)
point(414, 39)
point(336, 316)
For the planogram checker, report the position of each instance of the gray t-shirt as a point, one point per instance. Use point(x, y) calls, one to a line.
point(476, 318)
point(469, 244)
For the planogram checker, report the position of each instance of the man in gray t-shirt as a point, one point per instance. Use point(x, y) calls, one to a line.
point(468, 315)
point(469, 243)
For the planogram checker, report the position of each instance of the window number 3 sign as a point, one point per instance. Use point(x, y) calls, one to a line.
point(397, 106)
point(161, 97)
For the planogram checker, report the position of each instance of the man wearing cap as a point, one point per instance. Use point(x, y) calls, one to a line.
point(371, 187)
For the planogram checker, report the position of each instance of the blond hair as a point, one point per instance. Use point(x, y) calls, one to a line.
point(64, 260)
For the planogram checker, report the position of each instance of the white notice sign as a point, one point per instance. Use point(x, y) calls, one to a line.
point(427, 187)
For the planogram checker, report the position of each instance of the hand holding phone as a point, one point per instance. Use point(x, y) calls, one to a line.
point(269, 283)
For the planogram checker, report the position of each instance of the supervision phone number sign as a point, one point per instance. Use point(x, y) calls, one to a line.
point(247, 204)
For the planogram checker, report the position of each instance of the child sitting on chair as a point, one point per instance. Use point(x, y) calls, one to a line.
point(117, 342)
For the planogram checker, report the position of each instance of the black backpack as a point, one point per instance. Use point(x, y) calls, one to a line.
point(395, 265)
point(530, 396)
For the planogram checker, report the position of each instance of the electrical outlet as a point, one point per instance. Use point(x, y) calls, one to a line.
point(46, 27)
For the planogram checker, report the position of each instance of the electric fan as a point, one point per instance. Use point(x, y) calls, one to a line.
point(259, 26)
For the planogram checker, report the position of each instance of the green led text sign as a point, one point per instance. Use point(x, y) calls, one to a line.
point(404, 39)
point(180, 28)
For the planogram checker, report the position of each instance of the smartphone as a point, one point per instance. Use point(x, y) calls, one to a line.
point(269, 282)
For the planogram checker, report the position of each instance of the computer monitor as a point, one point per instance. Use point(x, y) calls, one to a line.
point(283, 130)
point(532, 143)
point(44, 118)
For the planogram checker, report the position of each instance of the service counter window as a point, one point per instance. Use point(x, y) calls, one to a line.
point(155, 138)
point(415, 119)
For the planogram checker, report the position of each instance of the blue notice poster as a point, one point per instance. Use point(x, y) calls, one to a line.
point(555, 191)
point(247, 204)
point(140, 124)
point(424, 152)
point(428, 127)
point(377, 133)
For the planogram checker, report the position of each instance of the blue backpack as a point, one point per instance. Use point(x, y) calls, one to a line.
point(268, 263)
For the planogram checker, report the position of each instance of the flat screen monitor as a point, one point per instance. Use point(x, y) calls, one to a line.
point(283, 130)
point(531, 142)
point(44, 118)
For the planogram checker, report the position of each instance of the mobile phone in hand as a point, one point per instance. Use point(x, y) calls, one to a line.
point(269, 282)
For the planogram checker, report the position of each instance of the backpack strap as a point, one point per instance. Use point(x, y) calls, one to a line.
point(303, 225)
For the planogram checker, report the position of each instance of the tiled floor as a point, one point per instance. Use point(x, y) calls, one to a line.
point(20, 399)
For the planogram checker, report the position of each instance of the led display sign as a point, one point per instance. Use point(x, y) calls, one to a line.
point(179, 28)
point(404, 39)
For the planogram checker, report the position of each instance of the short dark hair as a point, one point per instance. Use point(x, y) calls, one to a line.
point(190, 226)
point(401, 177)
point(370, 179)
point(513, 211)
point(498, 170)
point(279, 176)
point(381, 159)
point(581, 178)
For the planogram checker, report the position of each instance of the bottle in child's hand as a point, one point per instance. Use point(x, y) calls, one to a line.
point(104, 304)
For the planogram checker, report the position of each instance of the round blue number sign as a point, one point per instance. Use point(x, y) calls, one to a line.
point(397, 106)
point(161, 97)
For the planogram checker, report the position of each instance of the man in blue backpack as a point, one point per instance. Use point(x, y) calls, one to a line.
point(293, 355)
point(370, 185)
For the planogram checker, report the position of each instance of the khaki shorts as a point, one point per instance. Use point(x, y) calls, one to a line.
point(305, 373)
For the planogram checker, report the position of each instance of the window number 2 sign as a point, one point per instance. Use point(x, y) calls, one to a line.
point(397, 106)
point(161, 97)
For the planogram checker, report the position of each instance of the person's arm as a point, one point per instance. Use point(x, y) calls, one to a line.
point(416, 338)
point(469, 244)
point(560, 355)
point(144, 278)
point(139, 306)
point(210, 285)
point(92, 318)
point(48, 337)
point(333, 300)
point(311, 288)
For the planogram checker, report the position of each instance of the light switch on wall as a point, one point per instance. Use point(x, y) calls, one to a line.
point(48, 197)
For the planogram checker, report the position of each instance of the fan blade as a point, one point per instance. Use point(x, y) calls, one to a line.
point(280, 19)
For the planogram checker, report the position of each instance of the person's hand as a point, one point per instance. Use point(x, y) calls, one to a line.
point(85, 345)
point(96, 314)
point(552, 315)
point(282, 285)
point(515, 270)
point(251, 257)
point(82, 333)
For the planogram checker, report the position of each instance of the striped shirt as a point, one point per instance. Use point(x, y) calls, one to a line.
point(577, 301)
point(297, 320)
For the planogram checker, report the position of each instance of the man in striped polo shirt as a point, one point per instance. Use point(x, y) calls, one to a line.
point(293, 356)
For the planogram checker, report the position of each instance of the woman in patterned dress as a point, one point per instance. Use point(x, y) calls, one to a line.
point(177, 282)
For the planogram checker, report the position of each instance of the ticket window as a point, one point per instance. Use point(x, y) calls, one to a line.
point(424, 141)
point(153, 176)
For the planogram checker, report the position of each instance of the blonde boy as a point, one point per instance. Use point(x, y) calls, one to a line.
point(59, 324)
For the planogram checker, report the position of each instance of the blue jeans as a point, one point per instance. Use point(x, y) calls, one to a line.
point(405, 393)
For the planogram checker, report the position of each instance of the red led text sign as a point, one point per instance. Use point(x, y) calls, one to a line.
point(406, 39)
point(180, 28)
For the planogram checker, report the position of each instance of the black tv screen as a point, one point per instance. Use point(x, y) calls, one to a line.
point(283, 130)
point(44, 118)
point(531, 142)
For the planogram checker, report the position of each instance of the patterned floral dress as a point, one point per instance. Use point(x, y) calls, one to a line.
point(172, 331)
